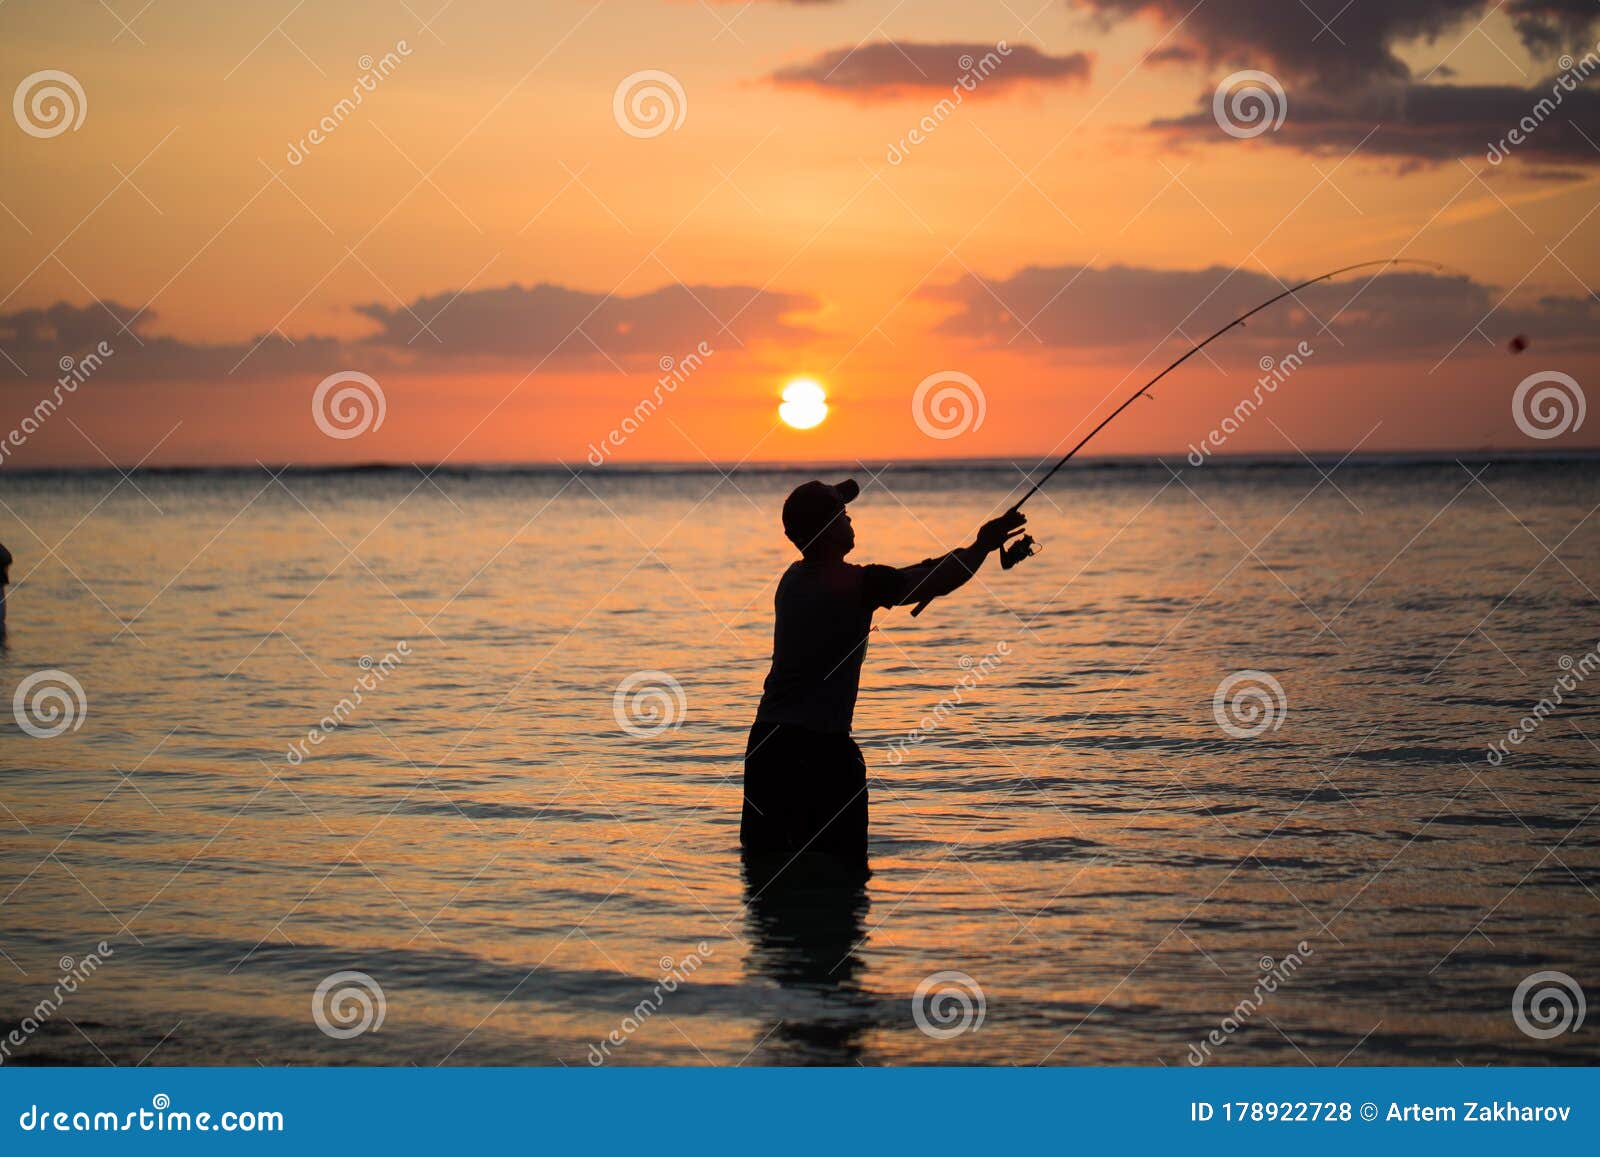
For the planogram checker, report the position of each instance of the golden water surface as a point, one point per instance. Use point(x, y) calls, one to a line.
point(1111, 870)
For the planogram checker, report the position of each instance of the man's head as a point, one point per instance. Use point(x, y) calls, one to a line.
point(814, 518)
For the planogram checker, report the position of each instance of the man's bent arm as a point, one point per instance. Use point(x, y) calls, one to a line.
point(933, 578)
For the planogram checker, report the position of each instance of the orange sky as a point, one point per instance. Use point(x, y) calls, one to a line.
point(774, 226)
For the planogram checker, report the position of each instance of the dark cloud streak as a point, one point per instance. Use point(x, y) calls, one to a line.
point(1429, 122)
point(1393, 315)
point(508, 326)
point(890, 70)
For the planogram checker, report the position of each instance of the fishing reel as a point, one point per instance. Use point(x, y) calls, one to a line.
point(1019, 548)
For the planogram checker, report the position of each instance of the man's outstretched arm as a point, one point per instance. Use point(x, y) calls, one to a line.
point(935, 577)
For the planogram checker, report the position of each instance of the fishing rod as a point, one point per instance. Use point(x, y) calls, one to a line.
point(1024, 546)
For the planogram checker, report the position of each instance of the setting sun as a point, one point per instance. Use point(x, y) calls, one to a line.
point(804, 404)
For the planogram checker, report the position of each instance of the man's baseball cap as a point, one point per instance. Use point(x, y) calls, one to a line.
point(811, 506)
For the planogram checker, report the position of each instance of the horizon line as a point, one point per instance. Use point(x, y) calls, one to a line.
point(785, 466)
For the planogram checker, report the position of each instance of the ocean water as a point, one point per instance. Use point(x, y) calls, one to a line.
point(1079, 858)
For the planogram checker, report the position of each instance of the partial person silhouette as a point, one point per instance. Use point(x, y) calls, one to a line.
point(805, 781)
point(5, 584)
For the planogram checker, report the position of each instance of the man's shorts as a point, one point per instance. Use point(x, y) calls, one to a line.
point(804, 791)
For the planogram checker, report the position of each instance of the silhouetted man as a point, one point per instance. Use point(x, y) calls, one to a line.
point(805, 782)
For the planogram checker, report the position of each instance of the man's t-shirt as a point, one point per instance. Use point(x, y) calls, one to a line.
point(824, 611)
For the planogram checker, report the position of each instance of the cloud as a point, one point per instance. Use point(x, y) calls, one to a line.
point(1548, 26)
point(1173, 54)
point(516, 325)
point(1347, 78)
point(1358, 43)
point(1430, 122)
point(548, 320)
point(1399, 314)
point(37, 341)
point(890, 70)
